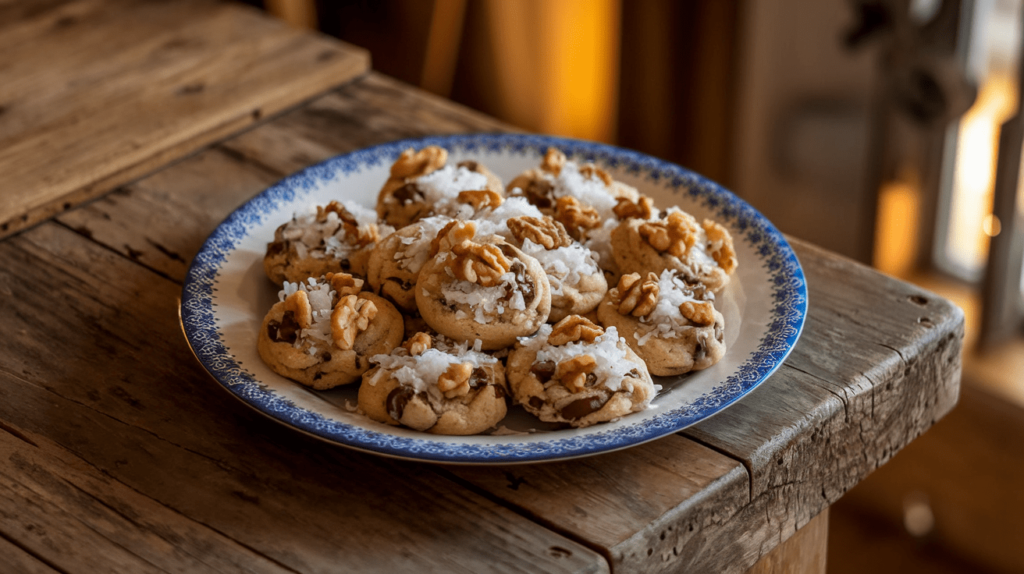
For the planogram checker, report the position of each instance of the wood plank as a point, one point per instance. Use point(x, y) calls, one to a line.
point(648, 508)
point(97, 93)
point(18, 560)
point(126, 398)
point(161, 221)
point(804, 553)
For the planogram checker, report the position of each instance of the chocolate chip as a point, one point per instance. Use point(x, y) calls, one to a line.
point(469, 164)
point(404, 285)
point(536, 402)
point(477, 378)
point(327, 357)
point(346, 265)
point(408, 192)
point(544, 370)
point(499, 391)
point(276, 248)
point(583, 407)
point(285, 331)
point(397, 401)
point(698, 352)
point(538, 192)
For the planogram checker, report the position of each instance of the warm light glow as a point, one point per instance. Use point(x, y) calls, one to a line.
point(991, 225)
point(974, 178)
point(557, 65)
point(896, 227)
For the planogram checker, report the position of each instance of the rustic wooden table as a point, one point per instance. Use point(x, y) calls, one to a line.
point(122, 455)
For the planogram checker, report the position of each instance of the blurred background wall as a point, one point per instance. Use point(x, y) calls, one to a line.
point(885, 130)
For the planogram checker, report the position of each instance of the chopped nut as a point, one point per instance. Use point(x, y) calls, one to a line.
point(590, 170)
point(455, 381)
point(636, 297)
point(642, 209)
point(574, 328)
point(477, 263)
point(700, 313)
point(416, 164)
point(553, 161)
point(418, 344)
point(542, 231)
point(454, 233)
point(720, 246)
point(573, 372)
point(351, 316)
point(575, 216)
point(298, 304)
point(354, 234)
point(480, 199)
point(345, 284)
point(674, 234)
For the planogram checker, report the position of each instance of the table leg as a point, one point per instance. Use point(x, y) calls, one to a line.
point(803, 553)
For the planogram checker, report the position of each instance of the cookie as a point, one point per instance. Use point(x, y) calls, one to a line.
point(577, 283)
point(434, 385)
point(671, 324)
point(481, 288)
point(395, 262)
point(558, 177)
point(575, 372)
point(326, 239)
point(323, 332)
point(421, 185)
point(701, 253)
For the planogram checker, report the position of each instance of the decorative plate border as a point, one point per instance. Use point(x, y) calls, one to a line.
point(789, 298)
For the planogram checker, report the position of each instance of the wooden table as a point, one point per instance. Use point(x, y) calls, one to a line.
point(122, 455)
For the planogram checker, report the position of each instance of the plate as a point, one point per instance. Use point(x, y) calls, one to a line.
point(226, 296)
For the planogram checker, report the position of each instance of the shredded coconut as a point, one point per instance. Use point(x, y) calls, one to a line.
point(608, 350)
point(494, 221)
point(486, 302)
point(328, 238)
point(416, 249)
point(422, 371)
point(321, 301)
point(666, 321)
point(563, 265)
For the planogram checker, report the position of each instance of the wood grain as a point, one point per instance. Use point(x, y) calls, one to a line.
point(804, 553)
point(176, 456)
point(878, 363)
point(97, 93)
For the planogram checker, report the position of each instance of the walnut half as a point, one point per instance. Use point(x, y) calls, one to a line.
point(636, 297)
point(576, 217)
point(576, 372)
point(416, 164)
point(574, 328)
point(674, 234)
point(455, 381)
point(351, 316)
point(480, 199)
point(542, 231)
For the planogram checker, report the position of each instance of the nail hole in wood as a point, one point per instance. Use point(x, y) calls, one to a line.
point(67, 205)
point(257, 114)
point(917, 300)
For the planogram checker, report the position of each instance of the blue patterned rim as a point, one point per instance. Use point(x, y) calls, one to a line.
point(789, 298)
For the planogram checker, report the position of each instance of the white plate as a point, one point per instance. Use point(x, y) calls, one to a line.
point(226, 296)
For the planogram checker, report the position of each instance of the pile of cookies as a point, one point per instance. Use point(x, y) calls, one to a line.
point(564, 292)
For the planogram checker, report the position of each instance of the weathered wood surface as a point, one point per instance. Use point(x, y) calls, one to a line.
point(97, 93)
point(121, 455)
point(805, 552)
point(877, 364)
